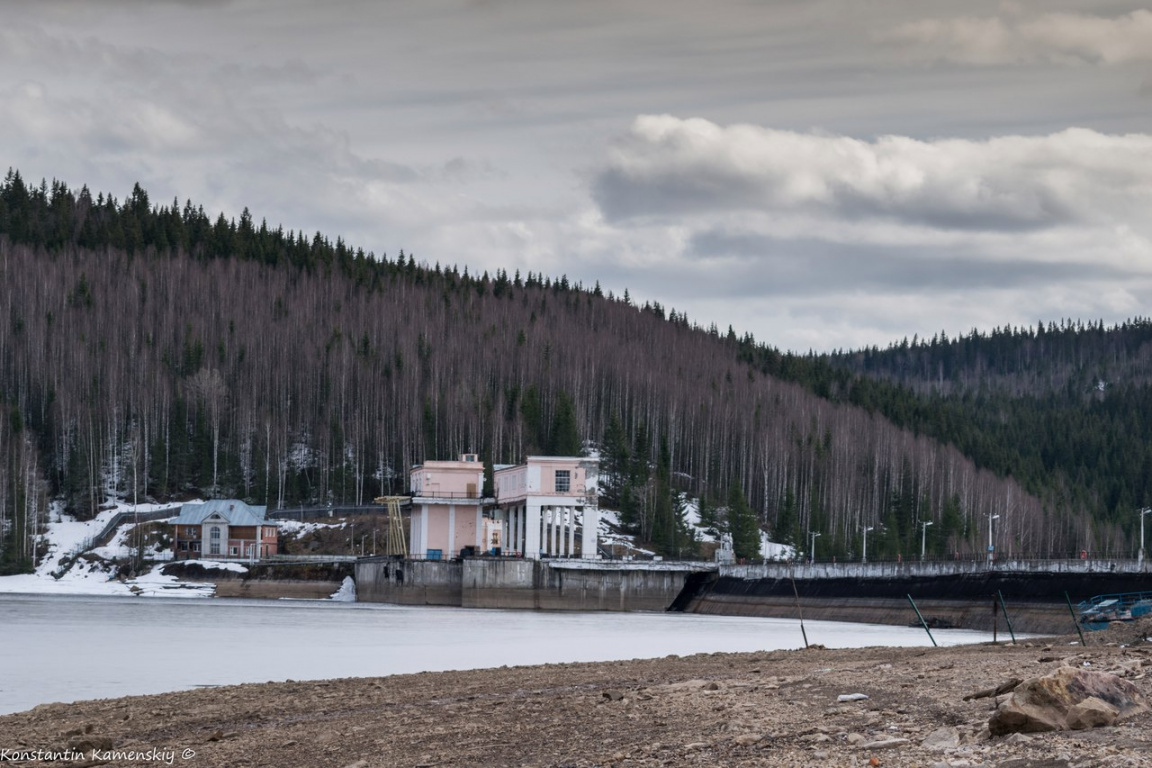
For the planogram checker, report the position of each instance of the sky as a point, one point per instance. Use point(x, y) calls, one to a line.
point(822, 174)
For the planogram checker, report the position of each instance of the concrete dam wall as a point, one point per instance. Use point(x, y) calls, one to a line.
point(959, 595)
point(948, 594)
point(575, 585)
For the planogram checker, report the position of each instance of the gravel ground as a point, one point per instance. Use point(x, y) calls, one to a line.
point(759, 709)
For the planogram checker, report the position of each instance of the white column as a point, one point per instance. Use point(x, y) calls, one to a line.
point(546, 530)
point(502, 516)
point(532, 531)
point(556, 530)
point(513, 544)
point(481, 545)
point(423, 552)
point(550, 532)
point(523, 513)
point(451, 553)
point(518, 530)
point(561, 549)
point(571, 531)
point(543, 532)
point(588, 536)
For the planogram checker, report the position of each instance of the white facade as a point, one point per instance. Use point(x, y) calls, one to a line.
point(542, 502)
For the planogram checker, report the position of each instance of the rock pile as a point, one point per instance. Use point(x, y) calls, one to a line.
point(1067, 699)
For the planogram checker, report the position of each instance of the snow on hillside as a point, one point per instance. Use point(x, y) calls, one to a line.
point(610, 535)
point(297, 528)
point(67, 536)
point(620, 543)
point(770, 550)
point(93, 572)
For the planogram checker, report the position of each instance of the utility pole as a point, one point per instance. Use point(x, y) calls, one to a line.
point(812, 554)
point(923, 537)
point(136, 566)
point(991, 548)
point(1140, 559)
point(864, 554)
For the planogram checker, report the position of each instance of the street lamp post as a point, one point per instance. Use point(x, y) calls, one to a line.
point(864, 554)
point(1140, 559)
point(991, 549)
point(923, 537)
point(812, 553)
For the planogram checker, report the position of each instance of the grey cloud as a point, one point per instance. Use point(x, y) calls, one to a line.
point(755, 264)
point(671, 167)
point(1058, 37)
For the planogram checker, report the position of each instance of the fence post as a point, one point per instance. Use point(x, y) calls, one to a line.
point(922, 622)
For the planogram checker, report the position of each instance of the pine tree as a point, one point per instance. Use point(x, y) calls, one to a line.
point(743, 526)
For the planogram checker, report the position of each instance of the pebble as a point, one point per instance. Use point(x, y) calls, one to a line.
point(883, 744)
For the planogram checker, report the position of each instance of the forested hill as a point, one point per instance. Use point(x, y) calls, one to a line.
point(1065, 408)
point(1073, 358)
point(156, 352)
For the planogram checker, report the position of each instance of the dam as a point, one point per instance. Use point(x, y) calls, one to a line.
point(957, 594)
point(573, 584)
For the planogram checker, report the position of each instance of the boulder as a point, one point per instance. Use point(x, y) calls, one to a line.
point(1067, 699)
point(941, 739)
point(1091, 713)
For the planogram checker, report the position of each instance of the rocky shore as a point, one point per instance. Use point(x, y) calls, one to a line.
point(916, 707)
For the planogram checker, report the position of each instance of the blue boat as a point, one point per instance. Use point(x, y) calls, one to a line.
point(1100, 611)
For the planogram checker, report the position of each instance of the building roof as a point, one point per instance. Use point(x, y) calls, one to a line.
point(234, 511)
point(562, 458)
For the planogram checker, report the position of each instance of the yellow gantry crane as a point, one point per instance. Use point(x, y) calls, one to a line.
point(397, 543)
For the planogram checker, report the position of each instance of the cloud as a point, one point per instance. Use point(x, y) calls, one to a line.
point(1069, 37)
point(671, 167)
point(766, 265)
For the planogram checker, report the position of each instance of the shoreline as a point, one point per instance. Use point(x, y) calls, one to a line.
point(775, 708)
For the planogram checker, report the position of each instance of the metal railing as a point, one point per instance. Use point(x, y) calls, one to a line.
point(434, 494)
point(114, 522)
point(312, 513)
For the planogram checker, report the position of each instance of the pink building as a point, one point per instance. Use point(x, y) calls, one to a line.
point(447, 509)
point(540, 504)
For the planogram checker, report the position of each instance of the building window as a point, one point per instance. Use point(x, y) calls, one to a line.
point(234, 551)
point(214, 536)
point(435, 554)
point(563, 481)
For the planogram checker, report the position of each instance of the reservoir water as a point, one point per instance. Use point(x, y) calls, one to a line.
point(64, 648)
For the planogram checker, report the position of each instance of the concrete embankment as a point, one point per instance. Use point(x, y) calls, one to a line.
point(579, 585)
point(273, 581)
point(955, 594)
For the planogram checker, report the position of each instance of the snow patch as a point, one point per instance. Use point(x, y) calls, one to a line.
point(218, 565)
point(92, 572)
point(298, 528)
point(770, 550)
